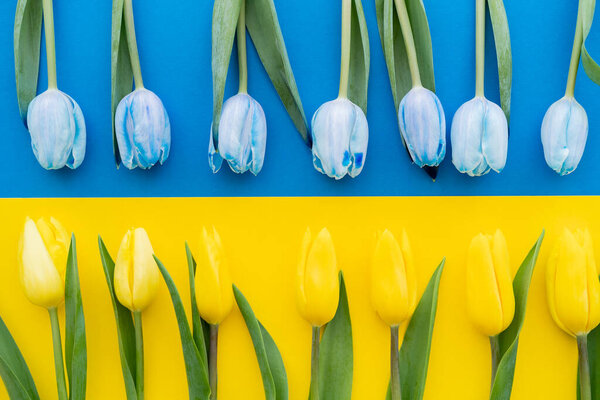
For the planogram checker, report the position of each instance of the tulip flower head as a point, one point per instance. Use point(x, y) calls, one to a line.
point(43, 252)
point(479, 137)
point(57, 130)
point(572, 285)
point(340, 136)
point(564, 134)
point(136, 273)
point(393, 279)
point(318, 282)
point(142, 129)
point(423, 126)
point(490, 296)
point(242, 136)
point(214, 293)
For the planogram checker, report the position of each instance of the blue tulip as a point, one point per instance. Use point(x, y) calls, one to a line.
point(242, 136)
point(564, 133)
point(479, 137)
point(143, 130)
point(423, 126)
point(340, 136)
point(57, 130)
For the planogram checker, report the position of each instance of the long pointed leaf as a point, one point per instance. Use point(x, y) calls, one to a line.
point(337, 355)
point(13, 368)
point(503, 52)
point(28, 37)
point(509, 339)
point(197, 326)
point(264, 29)
point(358, 80)
point(121, 72)
point(276, 364)
point(196, 370)
point(594, 361)
point(75, 340)
point(125, 329)
point(224, 24)
point(591, 67)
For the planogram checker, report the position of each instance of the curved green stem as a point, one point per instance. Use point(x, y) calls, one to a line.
point(495, 347)
point(575, 54)
point(409, 42)
point(59, 366)
point(134, 55)
point(585, 389)
point(479, 47)
point(139, 354)
point(212, 361)
point(314, 363)
point(241, 46)
point(395, 366)
point(346, 38)
point(50, 42)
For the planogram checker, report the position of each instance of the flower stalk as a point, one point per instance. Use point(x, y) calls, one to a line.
point(479, 47)
point(241, 47)
point(346, 39)
point(58, 355)
point(139, 354)
point(575, 54)
point(584, 368)
point(212, 361)
point(50, 42)
point(314, 363)
point(134, 55)
point(495, 347)
point(409, 42)
point(395, 366)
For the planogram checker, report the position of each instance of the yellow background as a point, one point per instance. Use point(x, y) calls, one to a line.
point(262, 238)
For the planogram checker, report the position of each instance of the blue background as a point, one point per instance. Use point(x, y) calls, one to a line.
point(174, 41)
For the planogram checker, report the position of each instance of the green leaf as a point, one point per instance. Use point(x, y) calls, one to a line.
point(13, 369)
point(198, 330)
point(358, 79)
point(276, 364)
point(503, 52)
point(336, 357)
point(195, 368)
point(224, 24)
point(592, 69)
point(75, 340)
point(509, 339)
point(264, 29)
point(121, 72)
point(28, 37)
point(125, 329)
point(416, 346)
point(594, 361)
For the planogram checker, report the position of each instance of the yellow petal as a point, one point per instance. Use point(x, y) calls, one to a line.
point(57, 242)
point(123, 276)
point(145, 271)
point(551, 268)
point(593, 289)
point(41, 281)
point(411, 275)
point(503, 278)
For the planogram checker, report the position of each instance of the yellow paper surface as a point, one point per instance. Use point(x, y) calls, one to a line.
point(262, 237)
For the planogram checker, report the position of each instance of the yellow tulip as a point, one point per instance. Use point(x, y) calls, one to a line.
point(136, 272)
point(393, 280)
point(318, 283)
point(572, 285)
point(490, 296)
point(214, 292)
point(43, 251)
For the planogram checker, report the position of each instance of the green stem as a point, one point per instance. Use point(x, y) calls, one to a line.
point(59, 366)
point(50, 43)
point(139, 354)
point(134, 56)
point(346, 38)
point(212, 361)
point(395, 366)
point(585, 389)
point(479, 47)
point(314, 363)
point(495, 347)
point(409, 42)
point(575, 54)
point(241, 46)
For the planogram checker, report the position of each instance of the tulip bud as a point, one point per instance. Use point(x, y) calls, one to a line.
point(242, 136)
point(393, 280)
point(57, 130)
point(318, 282)
point(143, 130)
point(214, 293)
point(479, 137)
point(340, 136)
point(136, 273)
point(490, 297)
point(43, 252)
point(423, 126)
point(572, 285)
point(564, 133)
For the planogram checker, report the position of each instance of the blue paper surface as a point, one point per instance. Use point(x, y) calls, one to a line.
point(175, 50)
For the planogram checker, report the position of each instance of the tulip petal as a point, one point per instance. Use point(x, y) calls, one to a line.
point(494, 143)
point(503, 277)
point(123, 274)
point(466, 134)
point(214, 158)
point(259, 138)
point(79, 140)
point(359, 141)
point(145, 271)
